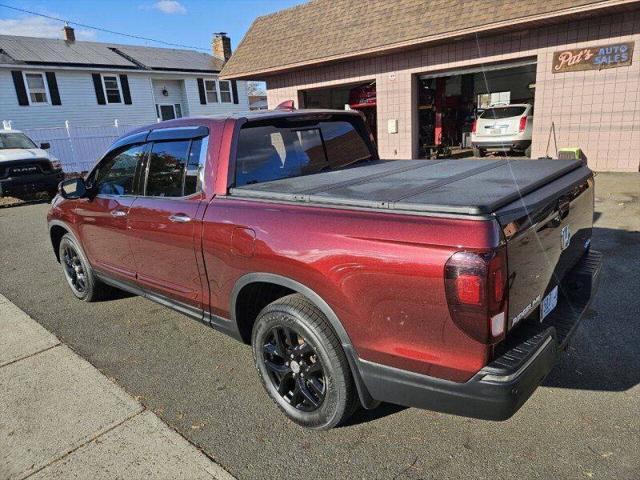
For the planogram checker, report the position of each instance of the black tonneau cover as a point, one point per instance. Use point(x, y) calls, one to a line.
point(472, 187)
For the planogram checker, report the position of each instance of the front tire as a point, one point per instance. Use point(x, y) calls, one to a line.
point(78, 271)
point(302, 365)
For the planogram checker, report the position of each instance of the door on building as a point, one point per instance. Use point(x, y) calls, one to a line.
point(358, 96)
point(449, 102)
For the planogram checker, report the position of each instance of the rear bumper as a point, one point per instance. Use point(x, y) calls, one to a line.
point(30, 183)
point(498, 390)
point(506, 145)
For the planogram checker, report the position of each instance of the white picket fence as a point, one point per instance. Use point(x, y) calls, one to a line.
point(77, 147)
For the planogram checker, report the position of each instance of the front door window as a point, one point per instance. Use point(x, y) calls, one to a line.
point(167, 112)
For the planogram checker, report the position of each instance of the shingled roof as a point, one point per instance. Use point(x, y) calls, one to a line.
point(327, 30)
point(50, 51)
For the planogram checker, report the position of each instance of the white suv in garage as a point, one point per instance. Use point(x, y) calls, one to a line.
point(503, 128)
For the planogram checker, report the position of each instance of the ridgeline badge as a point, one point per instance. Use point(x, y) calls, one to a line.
point(593, 58)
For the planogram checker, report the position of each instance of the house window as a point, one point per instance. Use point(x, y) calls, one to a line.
point(178, 109)
point(112, 88)
point(225, 91)
point(37, 88)
point(211, 91)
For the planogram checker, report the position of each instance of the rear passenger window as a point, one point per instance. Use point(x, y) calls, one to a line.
point(195, 165)
point(167, 165)
point(272, 152)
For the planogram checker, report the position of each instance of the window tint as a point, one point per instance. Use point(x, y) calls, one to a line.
point(502, 112)
point(268, 152)
point(344, 144)
point(195, 167)
point(115, 175)
point(167, 163)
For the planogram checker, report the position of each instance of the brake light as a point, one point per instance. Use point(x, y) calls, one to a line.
point(474, 125)
point(476, 291)
point(523, 123)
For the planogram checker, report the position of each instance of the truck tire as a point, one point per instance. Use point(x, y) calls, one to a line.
point(78, 271)
point(302, 365)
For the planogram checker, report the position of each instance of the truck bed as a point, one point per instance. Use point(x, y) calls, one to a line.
point(471, 187)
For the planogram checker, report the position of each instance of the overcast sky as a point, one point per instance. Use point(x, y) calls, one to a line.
point(188, 22)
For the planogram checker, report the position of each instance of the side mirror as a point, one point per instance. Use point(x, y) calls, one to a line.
point(45, 145)
point(73, 188)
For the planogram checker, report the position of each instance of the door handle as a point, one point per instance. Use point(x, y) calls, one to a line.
point(180, 218)
point(118, 213)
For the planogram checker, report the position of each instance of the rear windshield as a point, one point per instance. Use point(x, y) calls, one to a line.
point(15, 140)
point(271, 152)
point(502, 112)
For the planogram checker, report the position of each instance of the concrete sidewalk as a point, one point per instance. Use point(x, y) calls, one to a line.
point(61, 418)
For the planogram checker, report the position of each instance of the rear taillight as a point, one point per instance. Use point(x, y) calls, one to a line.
point(523, 123)
point(474, 125)
point(476, 290)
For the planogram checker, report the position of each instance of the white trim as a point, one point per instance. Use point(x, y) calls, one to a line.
point(160, 105)
point(217, 90)
point(50, 67)
point(104, 89)
point(220, 91)
point(46, 88)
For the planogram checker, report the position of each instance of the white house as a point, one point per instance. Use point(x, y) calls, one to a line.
point(47, 82)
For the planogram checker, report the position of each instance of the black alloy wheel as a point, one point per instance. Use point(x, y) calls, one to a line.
point(74, 270)
point(302, 365)
point(78, 272)
point(294, 368)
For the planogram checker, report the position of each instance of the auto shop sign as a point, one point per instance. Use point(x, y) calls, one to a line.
point(593, 58)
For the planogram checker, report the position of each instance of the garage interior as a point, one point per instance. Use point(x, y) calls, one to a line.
point(449, 102)
point(358, 96)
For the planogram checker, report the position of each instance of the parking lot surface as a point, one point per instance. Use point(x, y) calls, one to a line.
point(584, 422)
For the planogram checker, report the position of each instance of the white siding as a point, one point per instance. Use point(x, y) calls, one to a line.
point(175, 90)
point(80, 107)
point(79, 104)
point(197, 109)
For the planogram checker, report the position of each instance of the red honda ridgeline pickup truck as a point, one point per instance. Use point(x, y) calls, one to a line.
point(449, 285)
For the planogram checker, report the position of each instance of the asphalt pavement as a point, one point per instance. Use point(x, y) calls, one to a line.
point(584, 422)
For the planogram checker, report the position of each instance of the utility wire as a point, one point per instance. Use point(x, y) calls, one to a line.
point(103, 29)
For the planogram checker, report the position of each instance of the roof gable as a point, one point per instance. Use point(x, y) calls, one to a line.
point(326, 30)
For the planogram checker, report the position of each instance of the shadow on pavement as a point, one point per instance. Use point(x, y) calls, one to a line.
point(605, 351)
point(364, 416)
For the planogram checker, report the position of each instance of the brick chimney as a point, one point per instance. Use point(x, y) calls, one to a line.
point(69, 34)
point(221, 46)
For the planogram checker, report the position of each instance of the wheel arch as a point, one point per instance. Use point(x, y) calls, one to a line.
point(57, 230)
point(297, 287)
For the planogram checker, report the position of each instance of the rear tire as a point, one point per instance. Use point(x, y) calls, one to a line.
point(527, 152)
point(78, 271)
point(302, 365)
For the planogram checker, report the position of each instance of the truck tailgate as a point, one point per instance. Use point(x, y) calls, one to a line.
point(547, 232)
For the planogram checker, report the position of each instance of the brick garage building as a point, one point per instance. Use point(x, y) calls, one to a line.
point(320, 49)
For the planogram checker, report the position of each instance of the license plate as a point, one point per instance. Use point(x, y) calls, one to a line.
point(549, 302)
point(496, 131)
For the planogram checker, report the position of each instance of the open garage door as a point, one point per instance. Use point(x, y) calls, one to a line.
point(355, 96)
point(449, 103)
